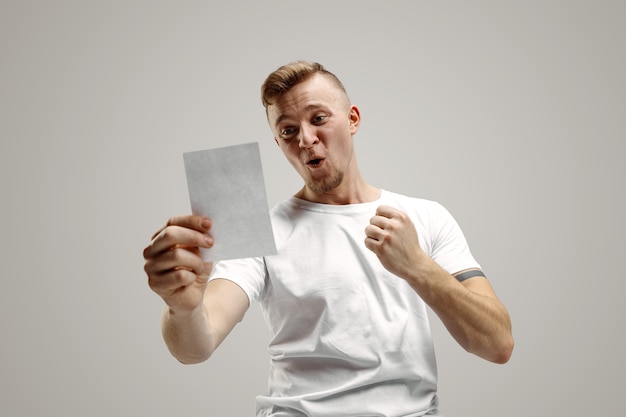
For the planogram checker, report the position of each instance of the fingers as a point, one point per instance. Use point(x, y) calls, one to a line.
point(387, 223)
point(186, 231)
point(173, 255)
point(167, 283)
point(174, 269)
point(375, 228)
point(194, 222)
point(176, 236)
point(178, 258)
point(383, 222)
point(174, 264)
point(387, 211)
point(371, 240)
point(375, 234)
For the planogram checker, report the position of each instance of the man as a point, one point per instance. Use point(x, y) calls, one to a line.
point(345, 297)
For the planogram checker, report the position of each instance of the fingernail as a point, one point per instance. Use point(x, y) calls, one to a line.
point(208, 240)
point(206, 223)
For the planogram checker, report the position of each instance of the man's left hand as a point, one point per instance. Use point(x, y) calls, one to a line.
point(391, 235)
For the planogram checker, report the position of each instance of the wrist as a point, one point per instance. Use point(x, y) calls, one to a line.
point(426, 277)
point(184, 314)
point(422, 271)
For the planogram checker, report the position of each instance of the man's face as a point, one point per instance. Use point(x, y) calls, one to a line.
point(313, 124)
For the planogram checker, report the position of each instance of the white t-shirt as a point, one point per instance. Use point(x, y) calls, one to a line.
point(347, 336)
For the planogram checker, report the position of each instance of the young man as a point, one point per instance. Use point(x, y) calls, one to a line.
point(345, 297)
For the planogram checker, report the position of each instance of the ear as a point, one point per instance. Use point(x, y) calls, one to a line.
point(355, 119)
point(276, 140)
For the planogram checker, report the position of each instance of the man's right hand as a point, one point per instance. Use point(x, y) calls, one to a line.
point(173, 263)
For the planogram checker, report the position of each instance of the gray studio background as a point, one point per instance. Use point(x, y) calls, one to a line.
point(511, 114)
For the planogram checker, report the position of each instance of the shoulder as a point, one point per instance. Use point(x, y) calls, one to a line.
point(412, 204)
point(285, 217)
point(283, 210)
point(430, 217)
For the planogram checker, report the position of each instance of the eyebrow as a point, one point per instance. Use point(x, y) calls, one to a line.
point(310, 107)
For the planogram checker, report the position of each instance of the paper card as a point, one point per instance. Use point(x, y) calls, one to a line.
point(226, 185)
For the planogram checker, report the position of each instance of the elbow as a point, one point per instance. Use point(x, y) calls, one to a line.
point(186, 361)
point(191, 360)
point(504, 351)
point(190, 355)
point(498, 351)
point(502, 345)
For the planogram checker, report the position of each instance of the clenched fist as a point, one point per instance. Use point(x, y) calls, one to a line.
point(391, 235)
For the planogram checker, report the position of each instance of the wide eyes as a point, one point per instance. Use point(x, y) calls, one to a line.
point(290, 131)
point(319, 119)
point(287, 132)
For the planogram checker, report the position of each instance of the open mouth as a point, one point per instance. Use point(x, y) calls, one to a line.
point(314, 163)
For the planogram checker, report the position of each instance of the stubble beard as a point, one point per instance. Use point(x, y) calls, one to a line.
point(326, 184)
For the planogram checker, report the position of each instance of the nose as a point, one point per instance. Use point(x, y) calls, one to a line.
point(308, 137)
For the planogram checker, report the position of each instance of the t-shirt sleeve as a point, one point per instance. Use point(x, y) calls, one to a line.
point(248, 273)
point(449, 246)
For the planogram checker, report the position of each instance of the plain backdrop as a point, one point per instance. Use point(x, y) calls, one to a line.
point(511, 114)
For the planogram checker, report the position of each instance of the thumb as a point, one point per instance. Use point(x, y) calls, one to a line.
point(206, 270)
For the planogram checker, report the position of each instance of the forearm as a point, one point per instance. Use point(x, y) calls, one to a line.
point(477, 320)
point(188, 335)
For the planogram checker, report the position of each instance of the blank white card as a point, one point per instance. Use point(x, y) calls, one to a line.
point(226, 185)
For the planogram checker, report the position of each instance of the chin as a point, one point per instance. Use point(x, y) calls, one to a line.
point(325, 185)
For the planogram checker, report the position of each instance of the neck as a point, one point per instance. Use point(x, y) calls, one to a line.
point(346, 193)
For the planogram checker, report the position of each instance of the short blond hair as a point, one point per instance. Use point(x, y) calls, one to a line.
point(287, 76)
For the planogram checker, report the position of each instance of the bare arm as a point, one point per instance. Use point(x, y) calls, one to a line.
point(198, 314)
point(193, 336)
point(471, 311)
